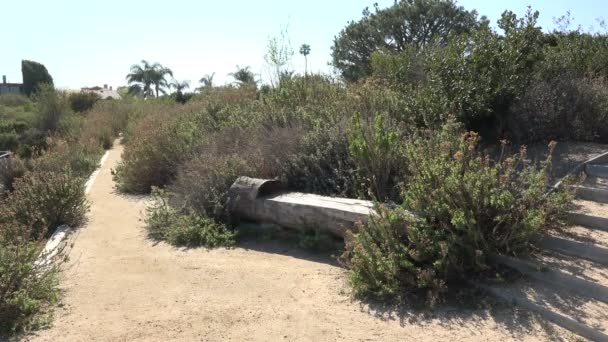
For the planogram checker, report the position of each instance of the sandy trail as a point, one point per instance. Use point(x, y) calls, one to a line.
point(120, 286)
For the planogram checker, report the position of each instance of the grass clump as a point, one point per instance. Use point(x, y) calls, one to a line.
point(163, 222)
point(468, 207)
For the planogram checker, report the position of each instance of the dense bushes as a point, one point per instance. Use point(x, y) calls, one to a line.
point(567, 107)
point(43, 200)
point(468, 207)
point(63, 157)
point(83, 101)
point(321, 163)
point(203, 183)
point(40, 201)
point(303, 142)
point(493, 80)
point(162, 144)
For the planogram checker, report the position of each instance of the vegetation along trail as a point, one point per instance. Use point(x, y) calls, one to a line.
point(118, 285)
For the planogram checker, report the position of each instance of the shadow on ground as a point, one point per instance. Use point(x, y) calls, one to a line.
point(464, 306)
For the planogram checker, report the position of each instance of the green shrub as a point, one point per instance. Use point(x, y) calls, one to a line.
point(26, 289)
point(14, 125)
point(376, 147)
point(11, 169)
point(468, 208)
point(51, 107)
point(322, 164)
point(575, 51)
point(9, 141)
point(202, 183)
point(382, 261)
point(83, 101)
point(31, 141)
point(159, 145)
point(107, 119)
point(165, 223)
point(80, 159)
point(43, 200)
point(567, 107)
point(194, 230)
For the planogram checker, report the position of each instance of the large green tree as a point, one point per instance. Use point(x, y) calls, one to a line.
point(149, 79)
point(34, 75)
point(406, 24)
point(159, 78)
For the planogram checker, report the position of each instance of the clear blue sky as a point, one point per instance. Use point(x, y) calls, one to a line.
point(86, 43)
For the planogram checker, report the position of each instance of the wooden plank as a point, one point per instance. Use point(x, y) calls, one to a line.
point(555, 277)
point(264, 201)
point(591, 193)
point(597, 170)
point(589, 221)
point(561, 320)
point(574, 248)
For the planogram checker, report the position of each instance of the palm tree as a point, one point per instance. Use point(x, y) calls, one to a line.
point(179, 90)
point(305, 51)
point(243, 75)
point(146, 75)
point(179, 86)
point(159, 78)
point(140, 78)
point(207, 81)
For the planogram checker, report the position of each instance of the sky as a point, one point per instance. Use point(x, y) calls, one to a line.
point(87, 43)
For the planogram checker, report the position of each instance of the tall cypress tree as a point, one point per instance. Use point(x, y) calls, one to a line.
point(34, 74)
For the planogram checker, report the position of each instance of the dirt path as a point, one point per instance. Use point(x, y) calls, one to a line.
point(120, 286)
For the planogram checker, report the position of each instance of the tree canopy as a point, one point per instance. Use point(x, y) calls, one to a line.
point(149, 79)
point(408, 23)
point(34, 74)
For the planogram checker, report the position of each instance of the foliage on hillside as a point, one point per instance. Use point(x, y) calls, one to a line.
point(421, 77)
point(402, 132)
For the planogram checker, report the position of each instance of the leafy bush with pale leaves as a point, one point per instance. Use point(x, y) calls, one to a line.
point(468, 207)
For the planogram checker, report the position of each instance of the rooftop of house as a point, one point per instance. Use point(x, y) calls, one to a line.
point(7, 83)
point(104, 92)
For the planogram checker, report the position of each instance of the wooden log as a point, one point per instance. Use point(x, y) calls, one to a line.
point(265, 201)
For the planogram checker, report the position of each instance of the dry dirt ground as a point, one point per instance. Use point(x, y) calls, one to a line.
point(120, 286)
